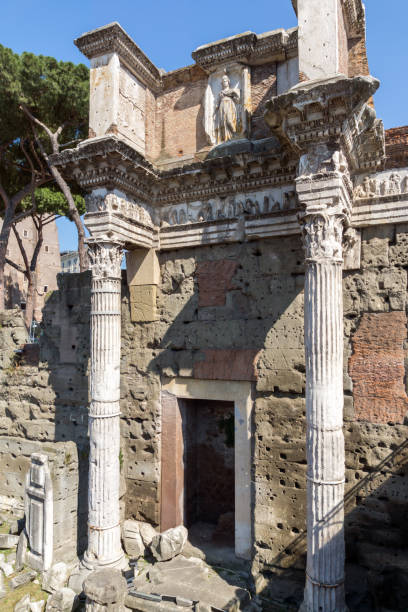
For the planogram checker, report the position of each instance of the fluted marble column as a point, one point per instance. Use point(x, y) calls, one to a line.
point(104, 545)
point(323, 233)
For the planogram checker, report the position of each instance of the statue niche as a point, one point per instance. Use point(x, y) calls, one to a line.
point(227, 116)
point(227, 104)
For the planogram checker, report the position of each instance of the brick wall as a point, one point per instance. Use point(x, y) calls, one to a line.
point(396, 147)
point(263, 87)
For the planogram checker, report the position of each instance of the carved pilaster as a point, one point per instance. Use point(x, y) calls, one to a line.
point(104, 547)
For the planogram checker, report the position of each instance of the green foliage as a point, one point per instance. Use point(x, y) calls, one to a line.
point(55, 92)
point(50, 200)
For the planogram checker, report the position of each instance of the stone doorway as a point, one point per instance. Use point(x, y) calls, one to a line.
point(206, 460)
point(209, 470)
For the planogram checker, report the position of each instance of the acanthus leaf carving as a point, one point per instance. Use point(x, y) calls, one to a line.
point(322, 235)
point(105, 258)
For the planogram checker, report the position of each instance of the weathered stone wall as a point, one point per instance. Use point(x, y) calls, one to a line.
point(43, 399)
point(235, 312)
point(15, 455)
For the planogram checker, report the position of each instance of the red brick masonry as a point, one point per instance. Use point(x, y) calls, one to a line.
point(232, 364)
point(214, 280)
point(396, 147)
point(377, 368)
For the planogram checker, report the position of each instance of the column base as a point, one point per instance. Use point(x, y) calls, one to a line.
point(120, 563)
point(304, 608)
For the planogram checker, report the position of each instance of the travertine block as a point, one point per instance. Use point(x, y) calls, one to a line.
point(143, 303)
point(142, 267)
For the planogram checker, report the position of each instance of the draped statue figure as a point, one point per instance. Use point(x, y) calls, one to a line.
point(226, 115)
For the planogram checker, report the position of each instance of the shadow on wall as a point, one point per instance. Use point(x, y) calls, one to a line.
point(14, 295)
point(376, 535)
point(65, 350)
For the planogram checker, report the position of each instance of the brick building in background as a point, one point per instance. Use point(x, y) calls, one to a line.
point(48, 266)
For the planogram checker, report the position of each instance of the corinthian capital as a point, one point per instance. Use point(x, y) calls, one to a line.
point(105, 258)
point(323, 236)
point(325, 219)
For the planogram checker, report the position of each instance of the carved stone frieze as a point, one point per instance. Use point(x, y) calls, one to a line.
point(105, 258)
point(257, 204)
point(114, 203)
point(389, 184)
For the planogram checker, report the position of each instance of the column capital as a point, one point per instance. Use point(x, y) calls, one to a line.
point(325, 200)
point(105, 257)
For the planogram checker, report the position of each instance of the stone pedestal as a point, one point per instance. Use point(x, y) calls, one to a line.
point(326, 211)
point(105, 591)
point(104, 546)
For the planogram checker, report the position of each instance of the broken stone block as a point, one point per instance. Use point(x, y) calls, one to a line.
point(22, 579)
point(37, 606)
point(105, 590)
point(6, 568)
point(8, 541)
point(147, 533)
point(55, 578)
point(169, 544)
point(132, 540)
point(64, 600)
point(39, 513)
point(2, 588)
point(21, 551)
point(16, 526)
point(23, 605)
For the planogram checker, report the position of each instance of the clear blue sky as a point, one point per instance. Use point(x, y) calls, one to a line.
point(169, 30)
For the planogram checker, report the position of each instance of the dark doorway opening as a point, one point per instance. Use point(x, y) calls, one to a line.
point(209, 474)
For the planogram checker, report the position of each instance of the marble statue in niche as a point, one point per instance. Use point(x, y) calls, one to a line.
point(227, 104)
point(227, 115)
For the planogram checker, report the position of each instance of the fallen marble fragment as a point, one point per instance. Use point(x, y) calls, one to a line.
point(22, 579)
point(132, 540)
point(169, 544)
point(8, 541)
point(23, 605)
point(64, 600)
point(55, 578)
point(6, 568)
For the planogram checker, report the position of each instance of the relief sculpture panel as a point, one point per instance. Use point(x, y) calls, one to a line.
point(382, 185)
point(259, 203)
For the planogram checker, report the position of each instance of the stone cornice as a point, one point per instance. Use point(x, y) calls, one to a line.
point(330, 110)
point(112, 38)
point(248, 48)
point(113, 164)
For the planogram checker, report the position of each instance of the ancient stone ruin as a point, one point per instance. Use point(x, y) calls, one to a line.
point(237, 396)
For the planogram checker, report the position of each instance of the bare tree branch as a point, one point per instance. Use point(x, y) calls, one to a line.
point(14, 265)
point(21, 246)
